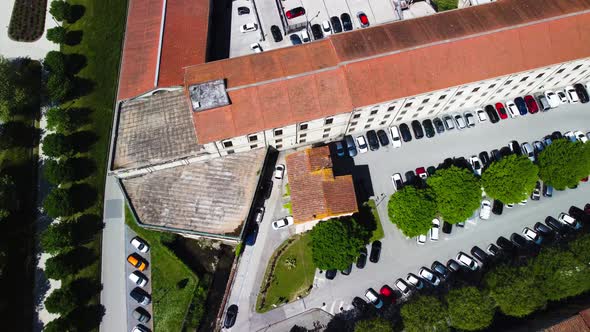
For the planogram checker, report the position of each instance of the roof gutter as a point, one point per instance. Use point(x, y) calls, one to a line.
point(161, 41)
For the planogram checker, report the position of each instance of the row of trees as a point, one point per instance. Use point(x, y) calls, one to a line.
point(517, 291)
point(454, 193)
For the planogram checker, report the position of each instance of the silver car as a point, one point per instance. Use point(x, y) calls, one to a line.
point(459, 121)
point(470, 119)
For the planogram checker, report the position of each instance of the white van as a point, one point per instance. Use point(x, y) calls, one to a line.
point(305, 36)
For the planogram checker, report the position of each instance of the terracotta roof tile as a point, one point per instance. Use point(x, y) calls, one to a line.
point(574, 324)
point(315, 192)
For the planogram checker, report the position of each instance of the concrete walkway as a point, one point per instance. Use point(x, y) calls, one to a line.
point(12, 49)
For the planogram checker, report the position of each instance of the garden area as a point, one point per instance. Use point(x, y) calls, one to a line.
point(443, 5)
point(27, 21)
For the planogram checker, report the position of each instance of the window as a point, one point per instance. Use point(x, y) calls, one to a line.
point(540, 75)
point(328, 121)
point(302, 141)
point(253, 146)
point(499, 90)
point(566, 76)
point(228, 144)
point(356, 116)
point(425, 100)
point(230, 151)
point(326, 135)
point(420, 108)
point(459, 93)
point(414, 116)
point(577, 67)
point(431, 112)
point(436, 105)
point(370, 119)
point(279, 140)
point(485, 93)
point(531, 83)
point(524, 79)
point(367, 126)
point(453, 101)
point(373, 112)
point(475, 90)
point(327, 130)
point(442, 97)
point(491, 86)
point(508, 82)
point(387, 116)
point(408, 105)
point(561, 70)
point(252, 138)
point(382, 123)
point(302, 135)
point(468, 97)
point(521, 91)
point(353, 123)
point(278, 132)
point(390, 108)
point(303, 126)
point(461, 105)
point(279, 146)
point(350, 130)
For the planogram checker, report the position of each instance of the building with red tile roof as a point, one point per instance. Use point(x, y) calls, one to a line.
point(316, 194)
point(577, 323)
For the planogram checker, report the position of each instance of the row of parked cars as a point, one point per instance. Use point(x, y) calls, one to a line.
point(527, 243)
point(139, 280)
point(361, 261)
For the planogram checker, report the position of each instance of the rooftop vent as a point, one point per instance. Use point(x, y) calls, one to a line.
point(208, 95)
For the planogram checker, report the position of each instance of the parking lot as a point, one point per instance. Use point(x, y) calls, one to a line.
point(131, 303)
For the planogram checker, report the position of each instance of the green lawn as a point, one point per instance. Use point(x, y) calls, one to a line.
point(378, 232)
point(173, 283)
point(289, 281)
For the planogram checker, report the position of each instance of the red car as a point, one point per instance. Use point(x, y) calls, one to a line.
point(421, 172)
point(387, 293)
point(295, 12)
point(531, 104)
point(363, 19)
point(501, 111)
point(587, 208)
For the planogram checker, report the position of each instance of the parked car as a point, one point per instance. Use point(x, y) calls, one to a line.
point(359, 303)
point(230, 316)
point(140, 328)
point(374, 298)
point(140, 296)
point(475, 165)
point(447, 228)
point(572, 95)
point(339, 148)
point(484, 157)
point(501, 111)
point(531, 104)
point(485, 210)
point(276, 33)
point(363, 19)
point(431, 170)
point(562, 97)
point(282, 223)
point(536, 194)
point(250, 239)
point(557, 226)
point(512, 109)
point(452, 265)
point(331, 274)
point(481, 255)
point(428, 128)
point(347, 270)
point(528, 151)
point(547, 190)
point(448, 122)
point(248, 27)
point(255, 47)
point(434, 230)
point(373, 140)
point(492, 114)
point(336, 25)
point(383, 139)
point(582, 93)
point(538, 146)
point(346, 22)
point(395, 139)
point(521, 105)
point(556, 135)
point(421, 173)
point(515, 147)
point(138, 278)
point(415, 281)
point(375, 252)
point(460, 121)
point(243, 10)
point(279, 171)
point(496, 155)
point(481, 115)
point(421, 239)
point(570, 136)
point(259, 214)
point(295, 39)
point(403, 287)
point(137, 261)
point(532, 235)
point(142, 315)
point(350, 146)
point(295, 12)
point(397, 181)
point(361, 261)
point(569, 221)
point(497, 207)
point(494, 250)
point(387, 293)
point(140, 244)
point(441, 270)
point(362, 144)
point(316, 32)
point(543, 103)
point(469, 119)
point(552, 99)
point(438, 125)
point(304, 36)
point(326, 28)
point(505, 244)
point(427, 274)
point(417, 128)
point(467, 260)
point(405, 132)
point(580, 136)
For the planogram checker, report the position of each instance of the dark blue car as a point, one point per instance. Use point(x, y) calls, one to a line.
point(339, 147)
point(521, 105)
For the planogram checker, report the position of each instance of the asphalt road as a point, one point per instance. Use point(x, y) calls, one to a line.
point(401, 255)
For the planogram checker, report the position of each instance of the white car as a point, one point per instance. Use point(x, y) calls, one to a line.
point(397, 181)
point(567, 219)
point(256, 48)
point(528, 151)
point(552, 99)
point(279, 171)
point(475, 164)
point(249, 27)
point(395, 139)
point(523, 202)
point(580, 136)
point(460, 121)
point(434, 230)
point(282, 223)
point(259, 215)
point(421, 239)
point(570, 135)
point(140, 244)
point(467, 260)
point(571, 94)
point(562, 97)
point(138, 278)
point(305, 36)
point(486, 210)
point(326, 28)
point(403, 286)
point(427, 275)
point(512, 109)
point(531, 235)
point(362, 144)
point(415, 281)
point(481, 115)
point(469, 119)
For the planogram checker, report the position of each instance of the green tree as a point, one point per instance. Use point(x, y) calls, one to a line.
point(336, 243)
point(412, 210)
point(59, 119)
point(57, 237)
point(59, 87)
point(56, 63)
point(424, 314)
point(13, 96)
point(470, 309)
point(376, 324)
point(57, 35)
point(58, 203)
point(56, 145)
point(69, 263)
point(581, 248)
point(69, 170)
point(59, 324)
point(514, 290)
point(457, 192)
point(60, 10)
point(511, 179)
point(8, 197)
point(60, 301)
point(560, 274)
point(563, 163)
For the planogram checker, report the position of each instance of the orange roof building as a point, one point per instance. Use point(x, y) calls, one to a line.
point(317, 194)
point(577, 323)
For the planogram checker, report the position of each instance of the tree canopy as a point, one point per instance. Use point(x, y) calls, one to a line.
point(376, 324)
point(56, 63)
point(581, 248)
point(72, 295)
point(563, 163)
point(56, 145)
point(17, 90)
point(60, 10)
point(560, 274)
point(412, 210)
point(57, 237)
point(57, 34)
point(59, 87)
point(514, 290)
point(7, 196)
point(336, 243)
point(67, 264)
point(457, 193)
point(470, 309)
point(424, 314)
point(58, 203)
point(511, 179)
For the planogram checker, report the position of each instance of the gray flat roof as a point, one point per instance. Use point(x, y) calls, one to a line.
point(153, 130)
point(212, 197)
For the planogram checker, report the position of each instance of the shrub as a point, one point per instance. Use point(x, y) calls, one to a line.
point(412, 210)
point(511, 179)
point(563, 163)
point(336, 243)
point(57, 145)
point(57, 237)
point(57, 35)
point(60, 10)
point(59, 87)
point(55, 62)
point(457, 193)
